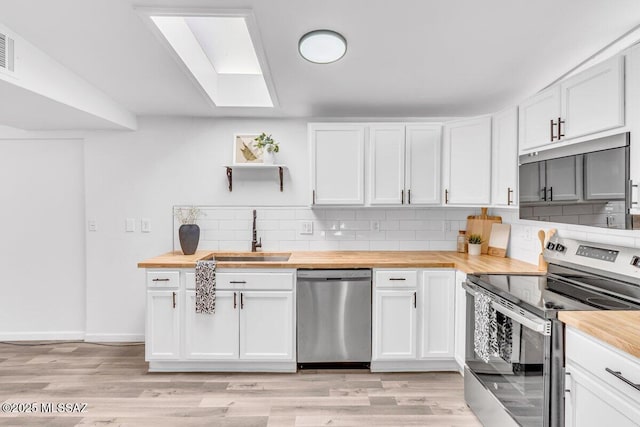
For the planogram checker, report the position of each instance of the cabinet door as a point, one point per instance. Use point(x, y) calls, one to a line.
point(467, 159)
point(531, 182)
point(605, 175)
point(266, 325)
point(436, 318)
point(461, 319)
point(423, 163)
point(593, 100)
point(394, 335)
point(535, 116)
point(212, 336)
point(163, 325)
point(504, 144)
point(590, 404)
point(563, 181)
point(386, 164)
point(337, 156)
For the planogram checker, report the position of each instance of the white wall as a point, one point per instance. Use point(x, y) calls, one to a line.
point(42, 290)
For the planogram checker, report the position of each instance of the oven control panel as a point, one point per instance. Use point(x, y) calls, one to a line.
point(597, 253)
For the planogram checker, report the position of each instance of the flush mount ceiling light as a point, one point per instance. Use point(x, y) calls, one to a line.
point(322, 46)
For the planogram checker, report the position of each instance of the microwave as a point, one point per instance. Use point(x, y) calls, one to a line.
point(586, 183)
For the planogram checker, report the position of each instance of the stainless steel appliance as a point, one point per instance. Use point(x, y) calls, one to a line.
point(586, 183)
point(334, 316)
point(522, 384)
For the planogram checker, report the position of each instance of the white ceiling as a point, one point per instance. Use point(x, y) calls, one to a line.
point(405, 58)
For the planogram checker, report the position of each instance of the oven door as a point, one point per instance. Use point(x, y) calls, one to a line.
point(518, 375)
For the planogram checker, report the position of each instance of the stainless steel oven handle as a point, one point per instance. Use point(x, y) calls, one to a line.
point(466, 287)
point(538, 325)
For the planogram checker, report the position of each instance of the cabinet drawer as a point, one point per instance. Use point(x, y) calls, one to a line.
point(595, 357)
point(163, 279)
point(257, 281)
point(396, 279)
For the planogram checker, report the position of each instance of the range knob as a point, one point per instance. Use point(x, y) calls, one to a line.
point(560, 247)
point(635, 261)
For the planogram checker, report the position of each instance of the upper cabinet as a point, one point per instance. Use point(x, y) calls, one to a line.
point(404, 164)
point(337, 163)
point(504, 174)
point(589, 102)
point(467, 162)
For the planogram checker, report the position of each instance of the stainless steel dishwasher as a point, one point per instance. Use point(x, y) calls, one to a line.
point(334, 317)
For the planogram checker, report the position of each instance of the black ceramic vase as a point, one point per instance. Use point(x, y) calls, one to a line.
point(189, 237)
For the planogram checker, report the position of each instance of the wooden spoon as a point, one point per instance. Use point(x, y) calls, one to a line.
point(541, 236)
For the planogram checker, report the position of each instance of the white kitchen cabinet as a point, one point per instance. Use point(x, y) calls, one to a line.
point(436, 320)
point(266, 325)
point(212, 336)
point(590, 102)
point(386, 164)
point(162, 335)
point(461, 320)
point(394, 325)
point(596, 397)
point(337, 163)
point(536, 115)
point(467, 162)
point(404, 164)
point(423, 164)
point(593, 100)
point(504, 163)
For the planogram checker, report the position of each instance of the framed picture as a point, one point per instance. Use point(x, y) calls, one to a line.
point(245, 149)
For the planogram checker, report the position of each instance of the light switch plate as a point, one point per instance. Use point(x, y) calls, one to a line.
point(92, 224)
point(145, 225)
point(130, 225)
point(306, 227)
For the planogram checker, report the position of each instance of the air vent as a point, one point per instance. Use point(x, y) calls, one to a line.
point(6, 53)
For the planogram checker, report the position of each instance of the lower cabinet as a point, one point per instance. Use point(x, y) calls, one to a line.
point(413, 320)
point(252, 328)
point(596, 393)
point(162, 338)
point(461, 320)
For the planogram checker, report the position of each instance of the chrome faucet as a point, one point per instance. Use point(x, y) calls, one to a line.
point(254, 242)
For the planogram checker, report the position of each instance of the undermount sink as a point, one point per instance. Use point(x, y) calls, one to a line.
point(253, 258)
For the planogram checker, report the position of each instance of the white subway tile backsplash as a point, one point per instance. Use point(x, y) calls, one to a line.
point(432, 235)
point(371, 214)
point(384, 245)
point(442, 245)
point(389, 225)
point(401, 214)
point(415, 245)
point(293, 245)
point(324, 245)
point(401, 235)
point(340, 214)
point(371, 235)
point(354, 245)
point(269, 224)
point(234, 225)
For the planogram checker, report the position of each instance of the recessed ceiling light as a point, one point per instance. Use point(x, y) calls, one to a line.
point(322, 46)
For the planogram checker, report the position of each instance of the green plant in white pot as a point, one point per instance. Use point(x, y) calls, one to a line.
point(269, 148)
point(475, 244)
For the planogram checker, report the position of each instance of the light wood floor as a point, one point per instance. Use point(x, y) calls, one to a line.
point(115, 385)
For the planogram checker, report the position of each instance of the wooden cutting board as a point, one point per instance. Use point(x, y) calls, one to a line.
point(481, 224)
point(499, 239)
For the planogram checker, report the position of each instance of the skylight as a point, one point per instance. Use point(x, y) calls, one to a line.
point(219, 53)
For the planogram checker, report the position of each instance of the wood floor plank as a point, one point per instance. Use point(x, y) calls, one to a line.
point(114, 383)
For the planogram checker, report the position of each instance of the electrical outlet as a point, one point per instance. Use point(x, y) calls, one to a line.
point(92, 224)
point(130, 225)
point(375, 225)
point(306, 227)
point(528, 233)
point(145, 225)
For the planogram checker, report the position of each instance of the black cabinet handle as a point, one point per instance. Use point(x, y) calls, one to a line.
point(235, 301)
point(402, 197)
point(560, 123)
point(241, 300)
point(551, 194)
point(544, 193)
point(552, 124)
point(174, 299)
point(446, 197)
point(618, 375)
point(415, 300)
point(159, 280)
point(397, 278)
point(409, 196)
point(237, 281)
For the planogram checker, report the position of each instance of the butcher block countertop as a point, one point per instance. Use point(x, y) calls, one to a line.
point(620, 329)
point(354, 259)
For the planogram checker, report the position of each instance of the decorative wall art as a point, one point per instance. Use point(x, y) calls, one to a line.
point(246, 150)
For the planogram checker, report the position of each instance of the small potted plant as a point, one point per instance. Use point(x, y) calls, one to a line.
point(189, 231)
point(475, 244)
point(269, 148)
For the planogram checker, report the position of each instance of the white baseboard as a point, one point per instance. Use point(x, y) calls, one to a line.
point(114, 337)
point(414, 365)
point(221, 366)
point(42, 336)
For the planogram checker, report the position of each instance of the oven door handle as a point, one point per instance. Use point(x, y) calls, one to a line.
point(538, 325)
point(469, 289)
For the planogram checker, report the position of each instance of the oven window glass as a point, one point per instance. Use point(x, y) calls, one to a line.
point(515, 376)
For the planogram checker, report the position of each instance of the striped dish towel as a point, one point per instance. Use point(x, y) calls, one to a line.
point(206, 287)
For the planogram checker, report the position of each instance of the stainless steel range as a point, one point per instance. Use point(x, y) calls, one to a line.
point(519, 381)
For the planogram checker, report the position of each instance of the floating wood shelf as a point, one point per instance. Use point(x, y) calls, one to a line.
point(230, 169)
